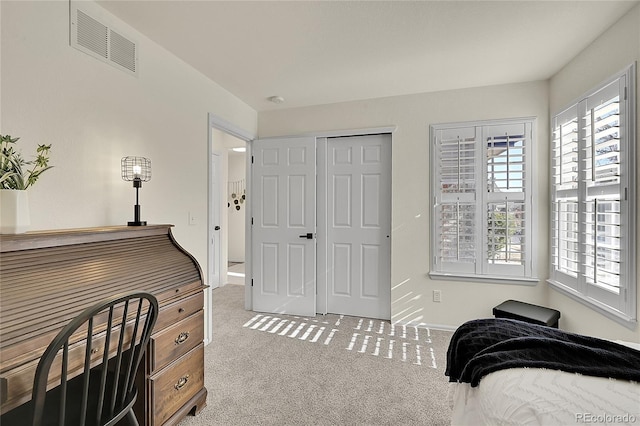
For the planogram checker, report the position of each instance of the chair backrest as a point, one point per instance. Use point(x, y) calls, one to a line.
point(117, 334)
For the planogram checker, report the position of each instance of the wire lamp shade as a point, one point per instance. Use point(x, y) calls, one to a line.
point(136, 170)
point(136, 167)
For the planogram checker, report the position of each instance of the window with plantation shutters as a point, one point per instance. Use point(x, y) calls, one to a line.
point(593, 207)
point(482, 199)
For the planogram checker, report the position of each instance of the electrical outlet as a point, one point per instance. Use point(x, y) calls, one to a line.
point(437, 296)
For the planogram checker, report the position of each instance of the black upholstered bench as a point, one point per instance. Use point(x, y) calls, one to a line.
point(527, 312)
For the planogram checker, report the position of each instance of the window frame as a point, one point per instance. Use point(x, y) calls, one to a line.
point(481, 270)
point(620, 307)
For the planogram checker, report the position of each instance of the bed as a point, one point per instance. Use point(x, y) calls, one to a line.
point(508, 372)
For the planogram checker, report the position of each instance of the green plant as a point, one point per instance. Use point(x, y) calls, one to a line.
point(15, 171)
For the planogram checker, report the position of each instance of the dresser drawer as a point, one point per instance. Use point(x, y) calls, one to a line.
point(175, 341)
point(176, 292)
point(177, 311)
point(176, 384)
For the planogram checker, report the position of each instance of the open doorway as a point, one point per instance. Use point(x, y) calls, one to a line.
point(236, 211)
point(228, 209)
point(223, 228)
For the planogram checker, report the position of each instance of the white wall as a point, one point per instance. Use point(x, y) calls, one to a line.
point(94, 114)
point(411, 287)
point(610, 53)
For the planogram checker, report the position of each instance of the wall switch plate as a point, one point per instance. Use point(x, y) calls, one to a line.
point(437, 296)
point(193, 220)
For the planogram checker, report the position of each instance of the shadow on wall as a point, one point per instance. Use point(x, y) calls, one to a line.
point(405, 311)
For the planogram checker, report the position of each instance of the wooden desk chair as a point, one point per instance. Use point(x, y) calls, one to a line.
point(104, 394)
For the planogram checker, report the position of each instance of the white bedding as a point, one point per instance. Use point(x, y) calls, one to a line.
point(535, 396)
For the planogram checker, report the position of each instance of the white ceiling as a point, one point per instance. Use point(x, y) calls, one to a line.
point(318, 52)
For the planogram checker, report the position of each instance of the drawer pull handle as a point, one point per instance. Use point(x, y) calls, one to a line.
point(181, 310)
point(182, 337)
point(183, 381)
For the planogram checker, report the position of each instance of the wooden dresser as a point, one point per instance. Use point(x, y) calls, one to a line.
point(48, 277)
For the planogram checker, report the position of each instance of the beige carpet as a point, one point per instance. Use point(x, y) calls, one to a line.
point(266, 369)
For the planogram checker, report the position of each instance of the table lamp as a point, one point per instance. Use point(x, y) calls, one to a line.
point(136, 170)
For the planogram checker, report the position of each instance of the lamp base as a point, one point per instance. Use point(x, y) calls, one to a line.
point(138, 223)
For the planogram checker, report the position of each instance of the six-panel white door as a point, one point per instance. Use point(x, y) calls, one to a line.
point(284, 269)
point(359, 226)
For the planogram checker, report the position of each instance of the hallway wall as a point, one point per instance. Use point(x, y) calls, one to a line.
point(237, 173)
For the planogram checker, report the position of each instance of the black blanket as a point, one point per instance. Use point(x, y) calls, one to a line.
point(480, 347)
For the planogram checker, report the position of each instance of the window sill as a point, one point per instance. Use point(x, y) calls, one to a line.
point(489, 279)
point(616, 316)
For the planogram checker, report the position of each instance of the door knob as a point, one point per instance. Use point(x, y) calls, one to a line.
point(308, 236)
point(216, 228)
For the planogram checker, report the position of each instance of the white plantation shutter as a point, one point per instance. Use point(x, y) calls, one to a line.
point(457, 152)
point(505, 158)
point(565, 228)
point(456, 210)
point(593, 219)
point(602, 193)
point(507, 147)
point(458, 240)
point(481, 212)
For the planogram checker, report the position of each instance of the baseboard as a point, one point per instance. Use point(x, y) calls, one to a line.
point(426, 325)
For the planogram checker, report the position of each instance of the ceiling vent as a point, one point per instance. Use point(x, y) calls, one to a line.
point(100, 40)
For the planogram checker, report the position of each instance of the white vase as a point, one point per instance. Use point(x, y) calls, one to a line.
point(14, 211)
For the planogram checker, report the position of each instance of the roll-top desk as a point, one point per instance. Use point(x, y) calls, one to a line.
point(48, 277)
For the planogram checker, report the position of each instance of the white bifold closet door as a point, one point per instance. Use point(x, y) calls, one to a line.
point(358, 215)
point(283, 230)
point(352, 203)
